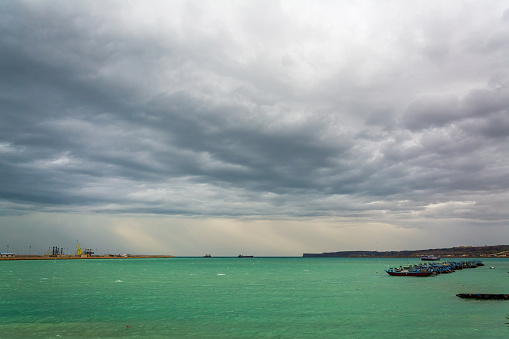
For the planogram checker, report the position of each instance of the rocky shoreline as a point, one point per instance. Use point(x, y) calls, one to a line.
point(498, 251)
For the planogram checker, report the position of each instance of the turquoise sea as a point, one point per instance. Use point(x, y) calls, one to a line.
point(246, 298)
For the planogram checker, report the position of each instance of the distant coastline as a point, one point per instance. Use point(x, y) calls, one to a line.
point(497, 251)
point(71, 257)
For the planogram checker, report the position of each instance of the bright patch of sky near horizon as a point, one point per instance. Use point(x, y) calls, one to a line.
point(254, 127)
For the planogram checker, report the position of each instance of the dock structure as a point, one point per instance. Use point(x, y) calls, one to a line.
point(93, 257)
point(428, 269)
point(483, 296)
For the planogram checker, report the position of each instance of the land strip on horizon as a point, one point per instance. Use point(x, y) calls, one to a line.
point(64, 257)
point(499, 251)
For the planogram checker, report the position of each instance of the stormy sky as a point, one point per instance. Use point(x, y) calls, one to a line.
point(253, 127)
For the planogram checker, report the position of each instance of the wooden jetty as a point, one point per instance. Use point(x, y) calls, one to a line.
point(483, 296)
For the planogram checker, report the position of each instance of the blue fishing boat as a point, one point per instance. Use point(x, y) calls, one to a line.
point(411, 272)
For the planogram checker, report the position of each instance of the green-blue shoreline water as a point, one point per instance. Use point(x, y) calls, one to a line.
point(246, 298)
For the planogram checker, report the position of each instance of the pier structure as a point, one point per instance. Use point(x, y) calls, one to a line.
point(427, 269)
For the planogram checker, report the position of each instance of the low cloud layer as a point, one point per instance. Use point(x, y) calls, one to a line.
point(379, 112)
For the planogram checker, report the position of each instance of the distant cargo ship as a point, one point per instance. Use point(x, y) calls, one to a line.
point(430, 258)
point(245, 256)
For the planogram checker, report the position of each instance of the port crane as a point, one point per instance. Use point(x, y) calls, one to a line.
point(85, 252)
point(78, 252)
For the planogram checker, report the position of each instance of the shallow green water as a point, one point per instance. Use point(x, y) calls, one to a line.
point(246, 298)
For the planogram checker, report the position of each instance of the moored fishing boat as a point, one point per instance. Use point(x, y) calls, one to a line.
point(416, 273)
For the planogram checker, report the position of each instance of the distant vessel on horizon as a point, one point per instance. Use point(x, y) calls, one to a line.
point(430, 258)
point(245, 256)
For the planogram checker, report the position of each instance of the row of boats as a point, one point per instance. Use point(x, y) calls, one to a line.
point(427, 269)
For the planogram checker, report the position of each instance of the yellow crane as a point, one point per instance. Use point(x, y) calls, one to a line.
point(78, 252)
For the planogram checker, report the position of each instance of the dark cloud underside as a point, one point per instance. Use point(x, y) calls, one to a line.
point(109, 109)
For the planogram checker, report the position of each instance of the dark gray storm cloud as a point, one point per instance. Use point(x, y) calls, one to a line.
point(258, 109)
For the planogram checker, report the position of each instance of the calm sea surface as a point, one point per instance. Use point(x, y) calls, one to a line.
point(246, 298)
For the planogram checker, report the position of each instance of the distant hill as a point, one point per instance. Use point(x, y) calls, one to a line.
point(461, 251)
